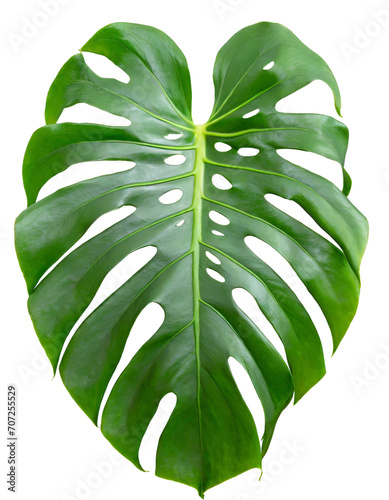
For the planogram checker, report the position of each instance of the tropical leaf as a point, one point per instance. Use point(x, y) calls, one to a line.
point(210, 436)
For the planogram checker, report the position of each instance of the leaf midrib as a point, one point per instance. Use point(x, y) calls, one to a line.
point(198, 173)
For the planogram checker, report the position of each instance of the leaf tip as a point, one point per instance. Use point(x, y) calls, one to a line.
point(338, 102)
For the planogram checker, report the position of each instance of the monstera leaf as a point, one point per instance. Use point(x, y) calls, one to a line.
point(227, 167)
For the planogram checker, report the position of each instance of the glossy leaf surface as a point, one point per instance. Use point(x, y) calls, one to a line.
point(223, 171)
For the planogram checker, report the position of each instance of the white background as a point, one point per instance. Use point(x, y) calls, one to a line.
point(339, 431)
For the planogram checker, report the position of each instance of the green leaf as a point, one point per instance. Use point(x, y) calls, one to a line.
point(210, 436)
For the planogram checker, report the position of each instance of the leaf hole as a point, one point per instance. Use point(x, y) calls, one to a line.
point(248, 151)
point(317, 164)
point(104, 67)
point(173, 137)
point(283, 268)
point(99, 225)
point(113, 280)
point(217, 233)
point(219, 218)
point(171, 197)
point(220, 182)
point(247, 303)
point(81, 172)
point(179, 224)
point(268, 66)
point(249, 394)
point(121, 273)
point(212, 258)
point(85, 113)
point(316, 97)
point(148, 322)
point(222, 147)
point(251, 113)
point(149, 444)
point(293, 209)
point(175, 160)
point(215, 275)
